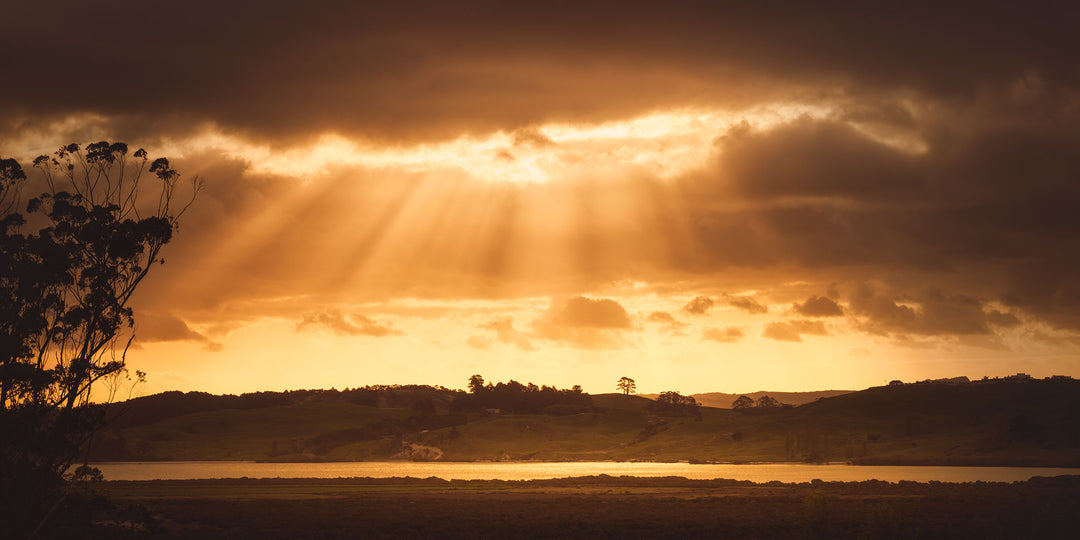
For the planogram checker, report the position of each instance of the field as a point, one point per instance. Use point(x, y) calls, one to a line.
point(998, 423)
point(600, 507)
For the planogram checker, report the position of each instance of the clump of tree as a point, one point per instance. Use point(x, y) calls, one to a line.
point(675, 404)
point(764, 404)
point(69, 266)
point(517, 398)
point(767, 403)
point(627, 386)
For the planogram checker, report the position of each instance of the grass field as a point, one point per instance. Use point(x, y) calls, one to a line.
point(601, 507)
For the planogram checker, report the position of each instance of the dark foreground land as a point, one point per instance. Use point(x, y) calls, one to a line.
point(600, 507)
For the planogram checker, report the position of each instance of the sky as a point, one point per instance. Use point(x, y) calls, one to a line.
point(702, 196)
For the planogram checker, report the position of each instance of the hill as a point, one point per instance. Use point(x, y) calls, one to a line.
point(979, 423)
point(723, 400)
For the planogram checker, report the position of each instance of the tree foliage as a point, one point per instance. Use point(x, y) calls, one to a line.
point(627, 386)
point(742, 403)
point(95, 230)
point(514, 397)
point(675, 404)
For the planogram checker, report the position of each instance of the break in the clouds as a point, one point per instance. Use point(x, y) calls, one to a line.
point(920, 158)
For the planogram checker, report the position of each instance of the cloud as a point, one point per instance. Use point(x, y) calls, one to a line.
point(967, 227)
point(602, 313)
point(745, 303)
point(531, 137)
point(948, 161)
point(151, 326)
point(728, 334)
point(585, 323)
point(932, 313)
point(818, 306)
point(506, 333)
point(700, 305)
point(793, 330)
point(347, 325)
point(431, 70)
point(667, 322)
point(814, 158)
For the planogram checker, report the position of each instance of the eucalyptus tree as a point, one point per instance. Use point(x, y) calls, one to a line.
point(70, 265)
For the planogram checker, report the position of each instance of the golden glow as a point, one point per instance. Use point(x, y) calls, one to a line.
point(666, 144)
point(426, 263)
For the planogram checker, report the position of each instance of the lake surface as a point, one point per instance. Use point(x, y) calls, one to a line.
point(764, 472)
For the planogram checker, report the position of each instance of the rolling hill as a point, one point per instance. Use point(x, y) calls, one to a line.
point(723, 400)
point(979, 423)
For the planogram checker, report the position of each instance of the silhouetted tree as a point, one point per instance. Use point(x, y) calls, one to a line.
point(520, 398)
point(65, 322)
point(476, 384)
point(742, 403)
point(767, 402)
point(674, 403)
point(627, 385)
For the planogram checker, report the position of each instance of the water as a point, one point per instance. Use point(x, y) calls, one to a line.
point(764, 472)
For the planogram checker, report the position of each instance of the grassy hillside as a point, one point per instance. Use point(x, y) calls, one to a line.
point(1003, 423)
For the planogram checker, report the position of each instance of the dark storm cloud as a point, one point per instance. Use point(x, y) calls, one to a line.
point(813, 158)
point(986, 208)
point(818, 306)
point(931, 313)
point(432, 69)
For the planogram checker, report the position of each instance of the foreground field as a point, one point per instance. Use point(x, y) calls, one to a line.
point(602, 507)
